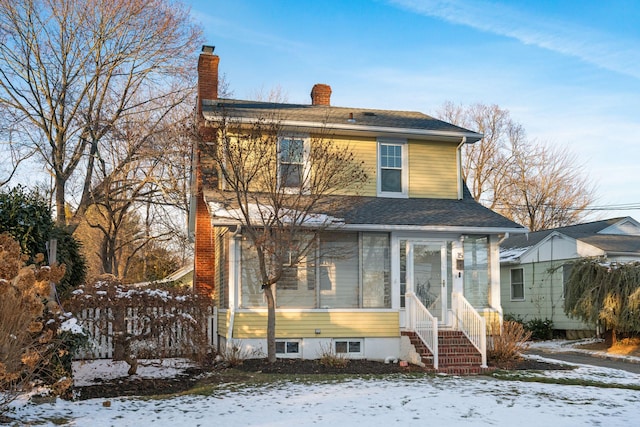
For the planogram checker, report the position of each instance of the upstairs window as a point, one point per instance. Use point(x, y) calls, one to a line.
point(392, 171)
point(291, 162)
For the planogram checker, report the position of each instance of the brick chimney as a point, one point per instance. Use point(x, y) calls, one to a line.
point(321, 94)
point(204, 273)
point(207, 75)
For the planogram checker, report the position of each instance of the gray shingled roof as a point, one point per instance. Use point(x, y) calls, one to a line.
point(420, 212)
point(384, 211)
point(331, 116)
point(588, 233)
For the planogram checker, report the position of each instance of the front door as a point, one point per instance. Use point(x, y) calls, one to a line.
point(427, 276)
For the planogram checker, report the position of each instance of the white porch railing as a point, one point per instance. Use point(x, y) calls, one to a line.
point(423, 323)
point(469, 321)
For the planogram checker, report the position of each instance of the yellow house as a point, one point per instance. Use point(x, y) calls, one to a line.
point(419, 269)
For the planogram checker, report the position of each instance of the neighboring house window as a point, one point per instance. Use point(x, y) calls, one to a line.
point(517, 284)
point(351, 347)
point(291, 173)
point(476, 270)
point(393, 172)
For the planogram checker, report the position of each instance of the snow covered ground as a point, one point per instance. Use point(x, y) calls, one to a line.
point(441, 400)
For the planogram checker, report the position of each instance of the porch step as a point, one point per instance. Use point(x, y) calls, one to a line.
point(456, 354)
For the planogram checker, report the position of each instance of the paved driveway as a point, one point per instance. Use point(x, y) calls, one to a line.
point(588, 358)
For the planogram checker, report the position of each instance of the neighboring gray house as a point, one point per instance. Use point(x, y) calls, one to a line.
point(535, 266)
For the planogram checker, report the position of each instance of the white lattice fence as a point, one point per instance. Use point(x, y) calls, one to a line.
point(174, 341)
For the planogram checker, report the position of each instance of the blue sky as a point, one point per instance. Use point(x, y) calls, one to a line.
point(568, 71)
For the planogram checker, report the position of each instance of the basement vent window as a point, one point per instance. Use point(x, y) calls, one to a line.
point(352, 347)
point(288, 348)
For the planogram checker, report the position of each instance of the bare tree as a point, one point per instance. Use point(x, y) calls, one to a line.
point(547, 189)
point(71, 70)
point(11, 151)
point(278, 203)
point(142, 179)
point(531, 183)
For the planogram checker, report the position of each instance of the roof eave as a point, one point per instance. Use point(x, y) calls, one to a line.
point(364, 130)
point(395, 228)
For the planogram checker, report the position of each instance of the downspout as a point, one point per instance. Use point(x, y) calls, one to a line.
point(553, 273)
point(459, 167)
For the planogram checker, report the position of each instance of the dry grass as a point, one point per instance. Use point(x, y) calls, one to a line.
point(505, 349)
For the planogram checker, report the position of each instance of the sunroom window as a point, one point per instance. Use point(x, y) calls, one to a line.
point(344, 270)
point(476, 270)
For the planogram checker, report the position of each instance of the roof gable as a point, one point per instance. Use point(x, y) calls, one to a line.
point(626, 226)
point(612, 236)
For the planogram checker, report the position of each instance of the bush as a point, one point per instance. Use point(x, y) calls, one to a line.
point(505, 349)
point(330, 358)
point(29, 346)
point(26, 216)
point(540, 329)
point(234, 354)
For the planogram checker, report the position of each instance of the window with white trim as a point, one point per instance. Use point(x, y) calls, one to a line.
point(292, 162)
point(351, 347)
point(517, 284)
point(289, 348)
point(393, 174)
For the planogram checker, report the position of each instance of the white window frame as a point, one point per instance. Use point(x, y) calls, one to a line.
point(404, 173)
point(291, 355)
point(349, 341)
point(306, 168)
point(523, 298)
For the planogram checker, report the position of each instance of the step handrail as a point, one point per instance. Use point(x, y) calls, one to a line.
point(471, 323)
point(423, 324)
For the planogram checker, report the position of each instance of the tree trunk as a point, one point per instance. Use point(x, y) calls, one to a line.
point(610, 337)
point(61, 216)
point(271, 323)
